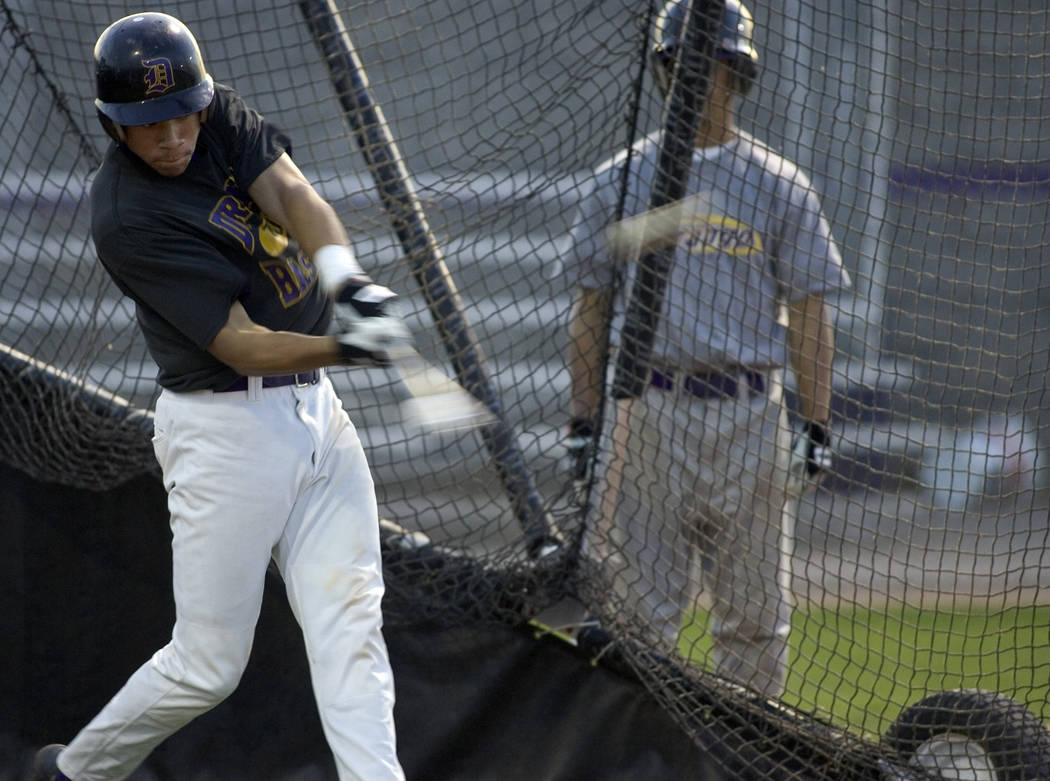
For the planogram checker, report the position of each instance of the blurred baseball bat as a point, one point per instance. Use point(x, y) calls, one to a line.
point(653, 230)
point(437, 402)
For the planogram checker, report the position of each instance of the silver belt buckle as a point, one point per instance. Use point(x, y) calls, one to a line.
point(299, 383)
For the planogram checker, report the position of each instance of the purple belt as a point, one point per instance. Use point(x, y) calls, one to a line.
point(713, 384)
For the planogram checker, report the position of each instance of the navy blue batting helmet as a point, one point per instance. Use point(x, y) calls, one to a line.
point(148, 68)
point(735, 43)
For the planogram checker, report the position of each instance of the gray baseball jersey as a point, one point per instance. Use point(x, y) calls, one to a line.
point(757, 241)
point(693, 487)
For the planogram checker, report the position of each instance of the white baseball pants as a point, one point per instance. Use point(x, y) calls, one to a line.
point(691, 508)
point(250, 475)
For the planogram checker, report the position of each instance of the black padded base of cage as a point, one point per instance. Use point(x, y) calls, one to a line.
point(492, 702)
point(86, 597)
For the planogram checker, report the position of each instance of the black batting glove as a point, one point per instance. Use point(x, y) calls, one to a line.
point(367, 324)
point(579, 449)
point(811, 450)
point(579, 445)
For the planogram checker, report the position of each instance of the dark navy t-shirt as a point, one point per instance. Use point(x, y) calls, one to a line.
point(185, 248)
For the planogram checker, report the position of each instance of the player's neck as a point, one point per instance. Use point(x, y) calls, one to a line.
point(716, 132)
point(718, 123)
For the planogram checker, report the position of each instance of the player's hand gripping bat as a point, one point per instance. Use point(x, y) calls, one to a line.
point(371, 333)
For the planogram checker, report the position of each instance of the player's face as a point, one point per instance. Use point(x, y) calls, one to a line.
point(166, 146)
point(720, 79)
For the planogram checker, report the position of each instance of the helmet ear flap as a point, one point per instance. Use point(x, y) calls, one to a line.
point(113, 130)
point(745, 73)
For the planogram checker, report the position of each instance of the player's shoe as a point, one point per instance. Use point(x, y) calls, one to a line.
point(45, 764)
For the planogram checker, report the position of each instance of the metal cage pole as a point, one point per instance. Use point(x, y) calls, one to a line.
point(402, 206)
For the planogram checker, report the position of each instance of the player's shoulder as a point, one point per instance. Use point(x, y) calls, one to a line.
point(232, 123)
point(640, 155)
point(226, 105)
point(122, 201)
point(113, 187)
point(107, 172)
point(757, 152)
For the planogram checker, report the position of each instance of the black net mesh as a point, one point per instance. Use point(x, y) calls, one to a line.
point(921, 564)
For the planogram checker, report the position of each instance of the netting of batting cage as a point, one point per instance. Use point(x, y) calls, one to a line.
point(461, 144)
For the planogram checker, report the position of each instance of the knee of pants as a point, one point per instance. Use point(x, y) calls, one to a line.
point(209, 660)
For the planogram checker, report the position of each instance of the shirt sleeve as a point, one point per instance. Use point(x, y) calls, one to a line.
point(252, 143)
point(809, 259)
point(588, 263)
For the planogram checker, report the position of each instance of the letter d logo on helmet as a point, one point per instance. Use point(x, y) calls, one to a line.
point(148, 68)
point(159, 75)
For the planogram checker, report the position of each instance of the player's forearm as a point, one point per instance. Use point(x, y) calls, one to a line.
point(252, 349)
point(812, 342)
point(282, 352)
point(588, 334)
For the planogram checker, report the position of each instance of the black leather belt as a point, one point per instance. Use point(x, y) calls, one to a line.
point(301, 379)
point(713, 384)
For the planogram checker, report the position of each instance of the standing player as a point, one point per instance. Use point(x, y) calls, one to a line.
point(697, 468)
point(238, 268)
